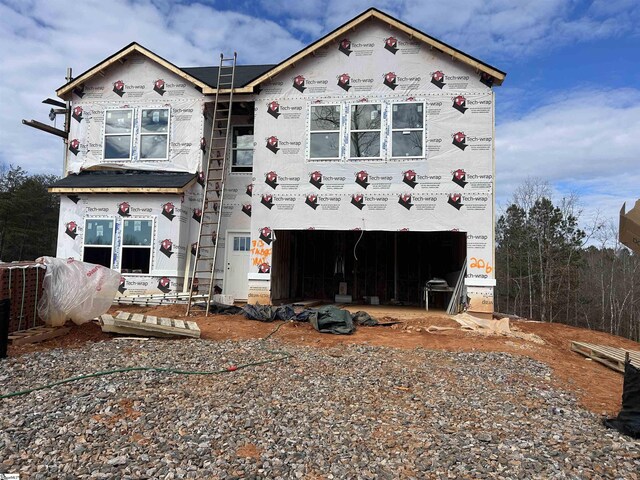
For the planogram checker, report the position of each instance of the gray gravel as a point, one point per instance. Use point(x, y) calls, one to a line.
point(345, 412)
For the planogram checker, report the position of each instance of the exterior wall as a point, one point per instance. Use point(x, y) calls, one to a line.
point(450, 187)
point(144, 84)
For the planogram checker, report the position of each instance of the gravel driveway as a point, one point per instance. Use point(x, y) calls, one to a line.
point(343, 412)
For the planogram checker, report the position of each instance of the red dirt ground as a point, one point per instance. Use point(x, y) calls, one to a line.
point(597, 387)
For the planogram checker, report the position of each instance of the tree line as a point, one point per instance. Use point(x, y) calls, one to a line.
point(28, 215)
point(551, 269)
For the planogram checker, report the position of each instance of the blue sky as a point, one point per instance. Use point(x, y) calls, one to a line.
point(568, 112)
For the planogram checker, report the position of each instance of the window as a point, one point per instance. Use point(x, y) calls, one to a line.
point(242, 149)
point(154, 133)
point(136, 246)
point(324, 132)
point(98, 241)
point(117, 134)
point(365, 130)
point(241, 244)
point(407, 130)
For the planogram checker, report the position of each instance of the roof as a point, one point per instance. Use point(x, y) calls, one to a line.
point(124, 181)
point(250, 76)
point(243, 75)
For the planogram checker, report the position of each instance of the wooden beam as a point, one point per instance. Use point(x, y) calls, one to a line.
point(65, 190)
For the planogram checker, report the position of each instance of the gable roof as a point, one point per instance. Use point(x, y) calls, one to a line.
point(119, 56)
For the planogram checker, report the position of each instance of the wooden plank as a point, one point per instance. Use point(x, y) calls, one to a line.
point(123, 316)
point(165, 322)
point(170, 190)
point(611, 357)
point(137, 317)
point(151, 320)
point(192, 325)
point(164, 325)
point(39, 335)
point(179, 323)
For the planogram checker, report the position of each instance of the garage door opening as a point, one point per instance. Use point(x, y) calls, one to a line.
point(393, 266)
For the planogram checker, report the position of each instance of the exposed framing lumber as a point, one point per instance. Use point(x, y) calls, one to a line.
point(36, 334)
point(119, 57)
point(611, 357)
point(176, 191)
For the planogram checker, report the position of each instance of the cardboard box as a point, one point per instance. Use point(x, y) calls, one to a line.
point(630, 227)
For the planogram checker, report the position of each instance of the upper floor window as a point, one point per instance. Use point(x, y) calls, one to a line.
point(324, 132)
point(154, 133)
point(366, 125)
point(241, 149)
point(117, 134)
point(407, 129)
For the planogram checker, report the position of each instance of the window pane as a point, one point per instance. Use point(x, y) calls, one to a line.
point(135, 260)
point(236, 243)
point(407, 115)
point(406, 144)
point(118, 121)
point(365, 144)
point(242, 137)
point(325, 117)
point(97, 255)
point(98, 232)
point(117, 146)
point(153, 146)
point(137, 232)
point(324, 145)
point(155, 120)
point(365, 117)
point(242, 157)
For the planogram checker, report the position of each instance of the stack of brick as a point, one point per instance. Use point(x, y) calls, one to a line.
point(22, 283)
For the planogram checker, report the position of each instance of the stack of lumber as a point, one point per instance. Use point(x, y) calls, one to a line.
point(148, 325)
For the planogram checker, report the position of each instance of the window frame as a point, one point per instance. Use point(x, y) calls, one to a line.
point(113, 236)
point(141, 134)
point(338, 131)
point(150, 246)
point(231, 150)
point(105, 134)
point(380, 131)
point(391, 129)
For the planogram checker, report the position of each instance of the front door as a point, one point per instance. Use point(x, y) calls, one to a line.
point(238, 263)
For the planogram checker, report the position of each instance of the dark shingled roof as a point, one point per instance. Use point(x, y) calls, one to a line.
point(125, 179)
point(244, 74)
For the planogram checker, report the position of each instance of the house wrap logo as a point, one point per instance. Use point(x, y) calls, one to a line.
point(194, 249)
point(266, 235)
point(460, 140)
point(410, 178)
point(455, 200)
point(299, 83)
point(315, 179)
point(71, 229)
point(344, 82)
point(197, 214)
point(118, 88)
point(357, 200)
point(158, 87)
point(362, 179)
point(79, 90)
point(168, 211)
point(273, 109)
point(164, 285)
point(486, 79)
point(271, 179)
point(124, 209)
point(437, 78)
point(460, 177)
point(249, 190)
point(272, 144)
point(122, 287)
point(264, 267)
point(74, 146)
point(166, 247)
point(312, 200)
point(267, 200)
point(203, 144)
point(246, 209)
point(74, 198)
point(77, 113)
point(404, 199)
point(345, 46)
point(200, 178)
point(391, 44)
point(390, 80)
point(460, 104)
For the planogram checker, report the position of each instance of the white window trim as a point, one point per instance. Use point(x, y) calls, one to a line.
point(148, 134)
point(391, 130)
point(105, 134)
point(150, 247)
point(231, 150)
point(380, 131)
point(113, 236)
point(338, 131)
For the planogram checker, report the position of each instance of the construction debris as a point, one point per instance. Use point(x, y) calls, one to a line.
point(148, 325)
point(611, 357)
point(36, 334)
point(493, 327)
